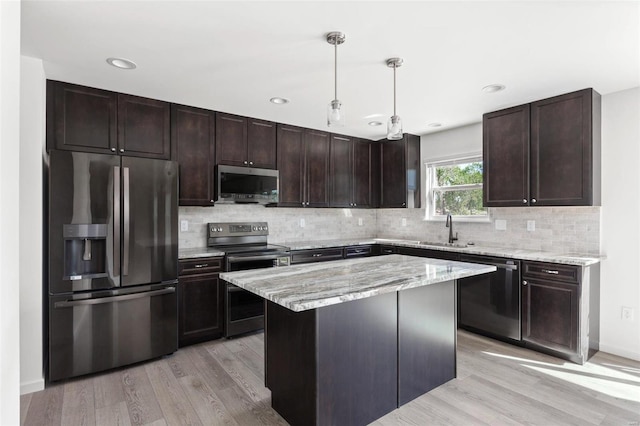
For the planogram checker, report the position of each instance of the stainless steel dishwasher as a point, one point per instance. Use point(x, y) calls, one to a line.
point(489, 304)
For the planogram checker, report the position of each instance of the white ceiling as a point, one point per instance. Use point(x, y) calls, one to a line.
point(235, 56)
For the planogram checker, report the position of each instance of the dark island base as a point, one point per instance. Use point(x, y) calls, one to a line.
point(354, 362)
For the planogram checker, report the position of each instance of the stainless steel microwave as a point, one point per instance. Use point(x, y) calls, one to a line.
point(247, 185)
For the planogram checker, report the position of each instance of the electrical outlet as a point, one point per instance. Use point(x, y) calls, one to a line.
point(627, 313)
point(501, 225)
point(404, 221)
point(360, 221)
point(302, 223)
point(531, 225)
point(184, 225)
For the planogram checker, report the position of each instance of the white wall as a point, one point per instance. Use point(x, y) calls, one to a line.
point(620, 281)
point(32, 139)
point(9, 214)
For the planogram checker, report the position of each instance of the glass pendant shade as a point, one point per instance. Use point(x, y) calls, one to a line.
point(335, 114)
point(394, 128)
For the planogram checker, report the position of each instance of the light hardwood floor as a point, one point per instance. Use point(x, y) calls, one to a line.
point(220, 383)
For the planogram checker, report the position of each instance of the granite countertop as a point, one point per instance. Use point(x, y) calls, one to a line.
point(310, 286)
point(191, 253)
point(576, 259)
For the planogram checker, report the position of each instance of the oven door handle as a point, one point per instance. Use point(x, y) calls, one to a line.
point(236, 259)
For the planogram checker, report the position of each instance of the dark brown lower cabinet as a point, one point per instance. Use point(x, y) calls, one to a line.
point(200, 301)
point(560, 309)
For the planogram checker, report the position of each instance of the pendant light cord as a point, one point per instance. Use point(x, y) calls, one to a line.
point(394, 89)
point(335, 68)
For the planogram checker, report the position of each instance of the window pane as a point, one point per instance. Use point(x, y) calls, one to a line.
point(459, 174)
point(462, 203)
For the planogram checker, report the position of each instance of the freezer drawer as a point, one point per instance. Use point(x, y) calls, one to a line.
point(102, 330)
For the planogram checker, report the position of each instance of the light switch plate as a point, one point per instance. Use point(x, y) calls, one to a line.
point(404, 221)
point(501, 225)
point(184, 225)
point(302, 223)
point(360, 221)
point(531, 225)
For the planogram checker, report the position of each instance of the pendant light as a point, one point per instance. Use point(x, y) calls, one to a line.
point(335, 113)
point(394, 125)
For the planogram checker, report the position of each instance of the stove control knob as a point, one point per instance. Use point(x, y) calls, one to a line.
point(212, 229)
point(255, 228)
point(265, 228)
point(219, 229)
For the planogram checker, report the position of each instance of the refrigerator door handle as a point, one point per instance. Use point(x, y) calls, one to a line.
point(127, 222)
point(116, 225)
point(112, 299)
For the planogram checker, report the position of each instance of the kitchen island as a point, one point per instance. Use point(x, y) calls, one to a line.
point(350, 340)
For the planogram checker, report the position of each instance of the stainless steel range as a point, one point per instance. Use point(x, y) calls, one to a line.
point(245, 246)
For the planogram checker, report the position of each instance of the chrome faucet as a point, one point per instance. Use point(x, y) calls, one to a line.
point(449, 224)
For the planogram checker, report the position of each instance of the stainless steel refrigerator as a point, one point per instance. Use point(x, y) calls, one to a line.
point(113, 261)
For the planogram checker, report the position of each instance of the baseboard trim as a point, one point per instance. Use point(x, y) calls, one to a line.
point(614, 350)
point(33, 386)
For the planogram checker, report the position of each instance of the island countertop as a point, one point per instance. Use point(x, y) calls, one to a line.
point(310, 286)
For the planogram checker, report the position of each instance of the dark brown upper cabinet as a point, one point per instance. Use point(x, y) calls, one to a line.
point(144, 127)
point(303, 163)
point(81, 118)
point(193, 141)
point(92, 120)
point(244, 141)
point(546, 153)
point(350, 174)
point(400, 172)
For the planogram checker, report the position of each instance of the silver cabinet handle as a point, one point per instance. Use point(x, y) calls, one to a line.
point(317, 255)
point(202, 265)
point(251, 163)
point(113, 150)
point(111, 299)
point(525, 282)
point(524, 201)
point(245, 162)
point(121, 149)
point(533, 201)
point(126, 220)
point(550, 271)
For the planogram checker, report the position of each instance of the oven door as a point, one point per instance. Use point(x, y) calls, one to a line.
point(245, 310)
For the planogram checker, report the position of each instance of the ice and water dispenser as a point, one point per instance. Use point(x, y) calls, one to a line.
point(85, 251)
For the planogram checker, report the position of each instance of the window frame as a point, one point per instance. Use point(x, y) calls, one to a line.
point(430, 188)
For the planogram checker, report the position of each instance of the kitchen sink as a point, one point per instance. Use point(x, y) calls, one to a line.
point(440, 244)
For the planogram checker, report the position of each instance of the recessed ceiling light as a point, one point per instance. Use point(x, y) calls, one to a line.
point(375, 123)
point(279, 101)
point(492, 88)
point(434, 125)
point(122, 63)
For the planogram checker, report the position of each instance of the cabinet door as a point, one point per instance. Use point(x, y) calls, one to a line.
point(506, 157)
point(341, 171)
point(261, 144)
point(362, 179)
point(192, 138)
point(561, 150)
point(414, 199)
point(200, 301)
point(317, 146)
point(550, 314)
point(291, 166)
point(393, 192)
point(143, 127)
point(81, 118)
point(231, 140)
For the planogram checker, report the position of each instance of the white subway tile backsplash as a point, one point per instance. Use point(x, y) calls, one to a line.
point(563, 229)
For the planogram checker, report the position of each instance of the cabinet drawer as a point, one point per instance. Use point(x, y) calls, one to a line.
point(358, 251)
point(204, 265)
point(320, 255)
point(552, 271)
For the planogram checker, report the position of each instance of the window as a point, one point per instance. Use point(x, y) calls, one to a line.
point(455, 187)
